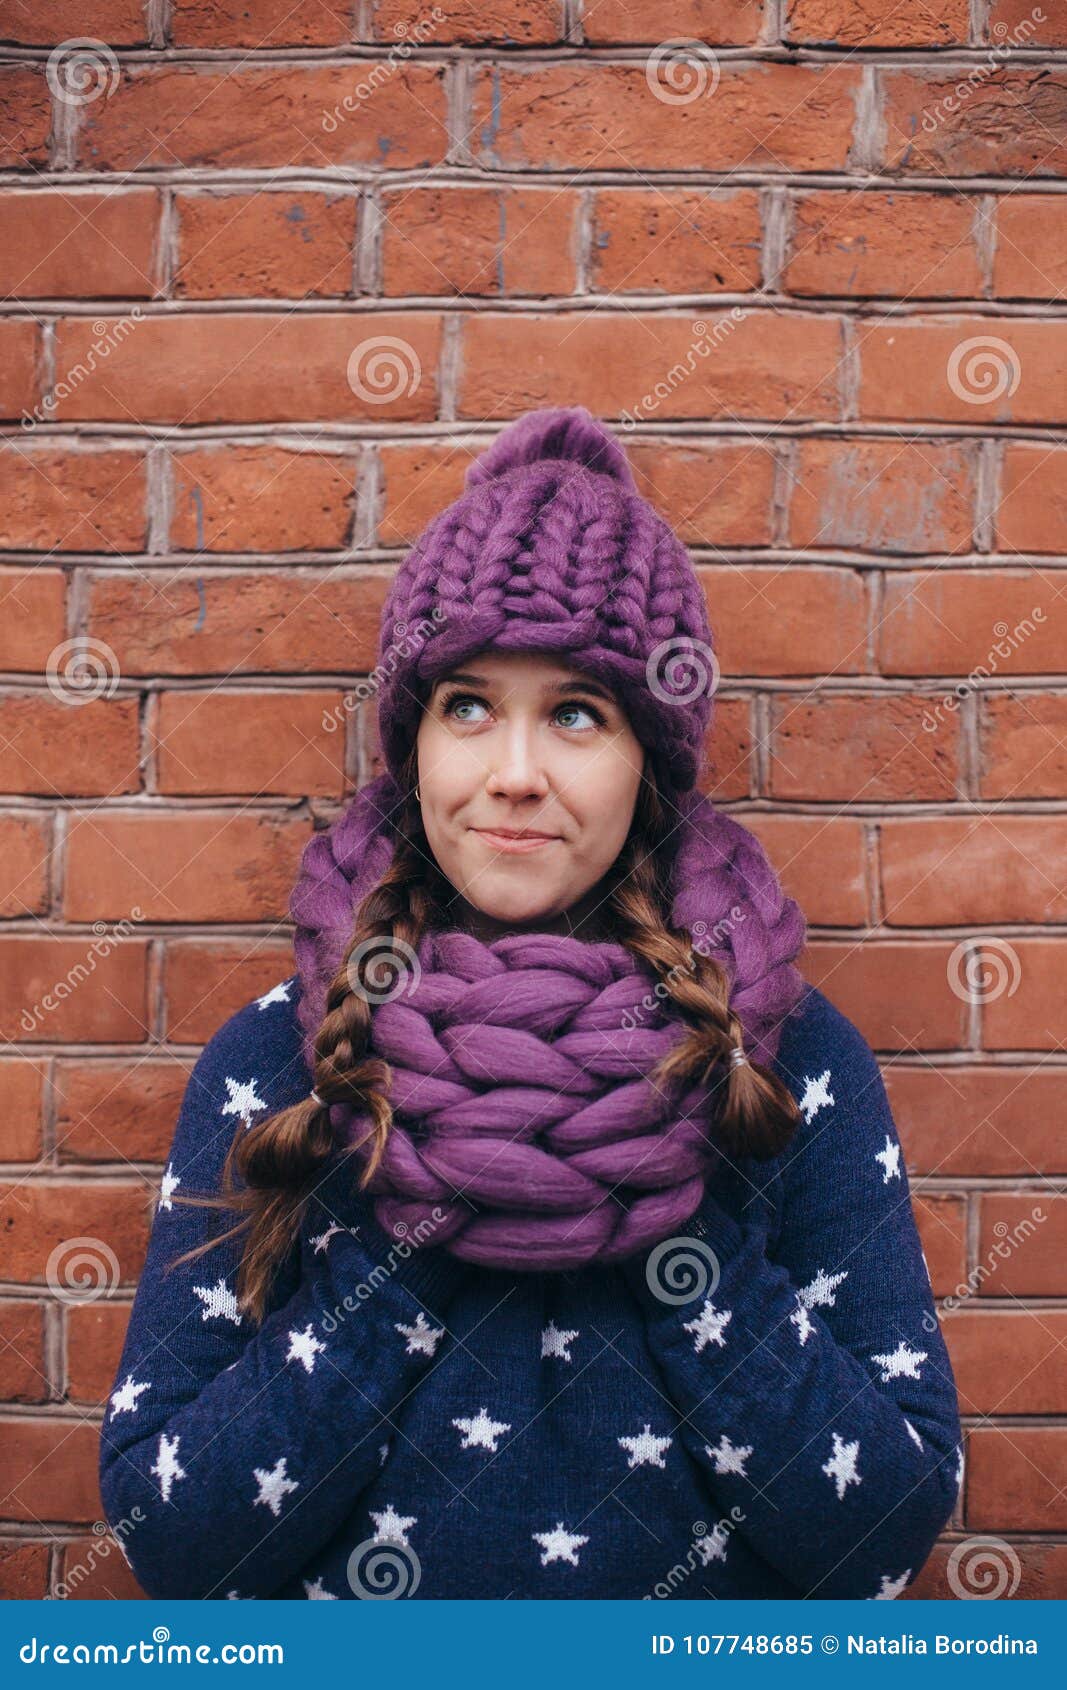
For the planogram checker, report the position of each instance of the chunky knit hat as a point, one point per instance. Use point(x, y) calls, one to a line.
point(550, 548)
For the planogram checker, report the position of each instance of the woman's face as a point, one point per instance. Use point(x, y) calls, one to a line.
point(522, 742)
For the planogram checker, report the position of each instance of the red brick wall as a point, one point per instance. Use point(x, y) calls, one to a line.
point(201, 237)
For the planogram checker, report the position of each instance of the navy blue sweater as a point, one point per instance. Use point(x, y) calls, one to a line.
point(403, 1424)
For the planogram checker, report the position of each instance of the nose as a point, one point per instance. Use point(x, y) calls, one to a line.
point(516, 768)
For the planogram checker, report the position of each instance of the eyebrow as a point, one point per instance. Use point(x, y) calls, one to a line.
point(592, 687)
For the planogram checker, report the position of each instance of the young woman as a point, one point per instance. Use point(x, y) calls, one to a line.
point(574, 1253)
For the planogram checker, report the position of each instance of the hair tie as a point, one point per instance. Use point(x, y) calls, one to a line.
point(321, 1101)
point(738, 1057)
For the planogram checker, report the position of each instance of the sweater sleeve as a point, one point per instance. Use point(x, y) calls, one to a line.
point(816, 1387)
point(232, 1453)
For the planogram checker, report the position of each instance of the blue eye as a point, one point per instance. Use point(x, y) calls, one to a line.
point(451, 701)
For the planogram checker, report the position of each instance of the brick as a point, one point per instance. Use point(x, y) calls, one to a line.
point(479, 241)
point(117, 1108)
point(820, 862)
point(23, 1572)
point(23, 1377)
point(175, 866)
point(1014, 1479)
point(261, 499)
point(269, 23)
point(1016, 23)
point(513, 22)
point(955, 871)
point(882, 495)
point(573, 116)
point(53, 749)
point(58, 989)
point(61, 501)
point(79, 244)
point(205, 982)
point(1010, 1119)
point(898, 245)
point(121, 23)
point(25, 850)
point(22, 1082)
point(730, 751)
point(54, 1462)
point(270, 622)
point(1042, 1574)
point(675, 241)
point(942, 1226)
point(19, 344)
point(718, 494)
point(25, 116)
point(94, 1570)
point(31, 617)
point(1035, 1383)
point(1010, 123)
point(267, 245)
point(970, 622)
point(721, 23)
point(1023, 745)
point(1019, 1008)
point(233, 368)
point(1031, 512)
point(1021, 1242)
point(263, 116)
point(95, 1334)
point(418, 480)
point(749, 365)
point(861, 748)
point(250, 742)
point(97, 1229)
point(962, 370)
point(1030, 260)
point(786, 622)
point(864, 23)
point(898, 995)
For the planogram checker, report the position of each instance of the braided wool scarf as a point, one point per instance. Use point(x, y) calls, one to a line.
point(522, 1114)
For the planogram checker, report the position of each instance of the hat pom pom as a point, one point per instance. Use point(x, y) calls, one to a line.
point(572, 433)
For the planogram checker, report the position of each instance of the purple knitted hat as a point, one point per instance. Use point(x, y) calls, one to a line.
point(550, 548)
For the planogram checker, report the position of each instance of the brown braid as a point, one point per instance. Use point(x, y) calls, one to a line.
point(281, 1159)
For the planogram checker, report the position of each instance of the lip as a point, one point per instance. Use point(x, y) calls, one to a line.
point(514, 841)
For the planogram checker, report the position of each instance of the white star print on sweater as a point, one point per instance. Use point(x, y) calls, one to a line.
point(126, 1396)
point(891, 1587)
point(273, 1485)
point(712, 1546)
point(559, 1544)
point(646, 1450)
point(316, 1593)
point(728, 1457)
point(422, 1338)
point(277, 994)
point(219, 1302)
point(821, 1292)
point(244, 1100)
point(480, 1431)
point(168, 1186)
point(304, 1346)
point(802, 1320)
point(903, 1362)
point(841, 1467)
point(709, 1325)
point(890, 1160)
point(320, 1240)
point(391, 1527)
point(816, 1095)
point(556, 1343)
point(167, 1467)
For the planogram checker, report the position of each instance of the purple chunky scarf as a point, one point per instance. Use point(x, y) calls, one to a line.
point(522, 1111)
